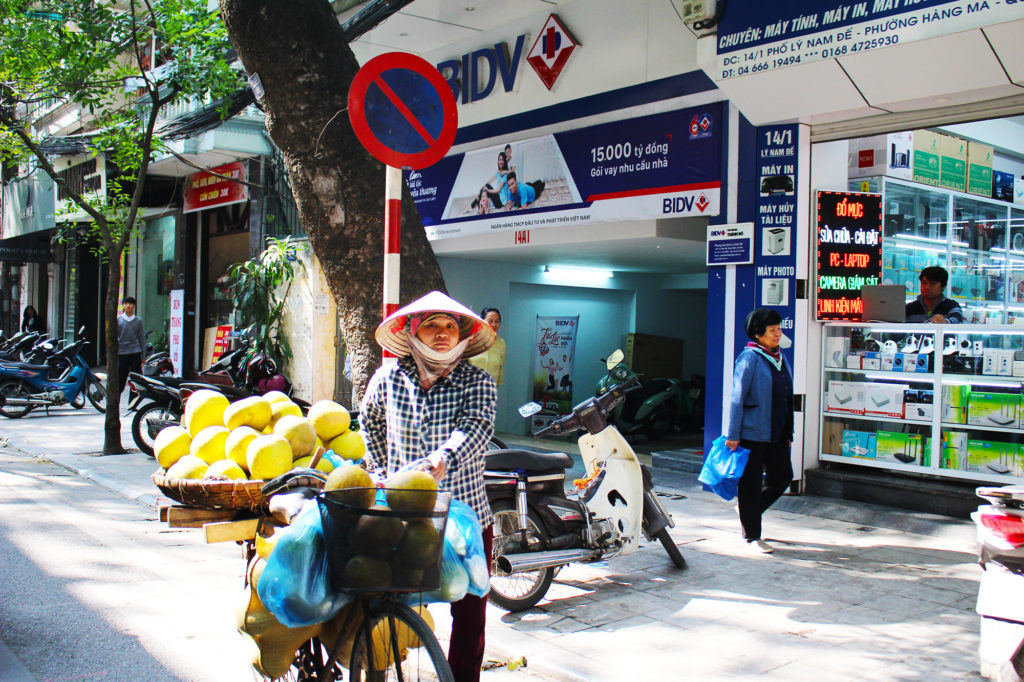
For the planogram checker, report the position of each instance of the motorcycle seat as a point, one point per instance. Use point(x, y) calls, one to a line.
point(526, 460)
point(26, 366)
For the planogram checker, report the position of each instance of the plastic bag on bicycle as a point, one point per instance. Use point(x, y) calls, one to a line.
point(295, 586)
point(463, 565)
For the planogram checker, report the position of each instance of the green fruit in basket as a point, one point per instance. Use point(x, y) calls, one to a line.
point(348, 445)
point(208, 444)
point(407, 576)
point(419, 546)
point(268, 456)
point(188, 466)
point(225, 468)
point(376, 535)
point(418, 491)
point(357, 486)
point(367, 572)
point(171, 444)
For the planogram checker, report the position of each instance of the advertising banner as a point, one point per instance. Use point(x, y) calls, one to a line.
point(177, 329)
point(553, 361)
point(664, 165)
point(207, 189)
point(756, 36)
point(775, 226)
point(730, 244)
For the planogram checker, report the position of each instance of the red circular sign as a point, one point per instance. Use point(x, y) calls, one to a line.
point(403, 110)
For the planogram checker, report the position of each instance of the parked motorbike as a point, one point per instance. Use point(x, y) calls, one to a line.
point(1000, 526)
point(652, 409)
point(60, 380)
point(538, 527)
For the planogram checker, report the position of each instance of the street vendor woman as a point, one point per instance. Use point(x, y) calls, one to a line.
point(432, 403)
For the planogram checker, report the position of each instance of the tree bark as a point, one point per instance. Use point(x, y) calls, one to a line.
point(299, 51)
point(112, 422)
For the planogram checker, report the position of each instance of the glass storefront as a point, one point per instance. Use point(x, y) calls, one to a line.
point(156, 276)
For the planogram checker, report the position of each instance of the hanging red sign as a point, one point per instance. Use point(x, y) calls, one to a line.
point(207, 189)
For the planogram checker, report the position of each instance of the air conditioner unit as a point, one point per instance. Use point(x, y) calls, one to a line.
point(692, 11)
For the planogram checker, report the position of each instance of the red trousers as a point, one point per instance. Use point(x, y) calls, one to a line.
point(469, 618)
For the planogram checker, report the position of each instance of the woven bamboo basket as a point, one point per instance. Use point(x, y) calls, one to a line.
point(209, 494)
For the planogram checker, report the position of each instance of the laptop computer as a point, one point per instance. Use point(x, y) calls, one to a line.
point(884, 302)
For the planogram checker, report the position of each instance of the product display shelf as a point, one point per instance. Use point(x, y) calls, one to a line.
point(970, 419)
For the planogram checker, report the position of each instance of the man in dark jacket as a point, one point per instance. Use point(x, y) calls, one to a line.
point(932, 305)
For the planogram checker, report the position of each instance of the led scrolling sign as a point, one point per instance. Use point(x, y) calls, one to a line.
point(849, 252)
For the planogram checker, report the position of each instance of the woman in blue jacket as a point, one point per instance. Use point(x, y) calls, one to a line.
point(761, 420)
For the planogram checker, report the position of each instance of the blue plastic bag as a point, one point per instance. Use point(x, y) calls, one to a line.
point(723, 468)
point(295, 585)
point(464, 568)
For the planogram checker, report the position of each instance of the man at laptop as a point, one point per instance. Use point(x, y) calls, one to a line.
point(932, 305)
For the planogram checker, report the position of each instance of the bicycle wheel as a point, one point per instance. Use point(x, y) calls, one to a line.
point(394, 643)
point(79, 401)
point(516, 591)
point(14, 389)
point(140, 424)
point(97, 395)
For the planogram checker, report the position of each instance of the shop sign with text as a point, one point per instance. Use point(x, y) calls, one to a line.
point(659, 166)
point(849, 251)
point(756, 36)
point(216, 187)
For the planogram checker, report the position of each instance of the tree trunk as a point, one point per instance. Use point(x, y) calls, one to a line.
point(300, 54)
point(112, 424)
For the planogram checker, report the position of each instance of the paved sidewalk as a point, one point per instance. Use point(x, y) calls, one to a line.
point(853, 591)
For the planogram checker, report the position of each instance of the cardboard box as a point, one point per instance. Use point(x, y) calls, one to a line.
point(654, 356)
point(979, 168)
point(888, 362)
point(991, 457)
point(860, 444)
point(845, 396)
point(836, 350)
point(910, 362)
point(954, 403)
point(868, 362)
point(854, 361)
point(993, 409)
point(954, 450)
point(1002, 189)
point(918, 405)
point(927, 156)
point(953, 164)
point(898, 447)
point(1018, 191)
point(884, 399)
point(890, 155)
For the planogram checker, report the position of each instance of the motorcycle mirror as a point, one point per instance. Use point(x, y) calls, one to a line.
point(614, 359)
point(529, 409)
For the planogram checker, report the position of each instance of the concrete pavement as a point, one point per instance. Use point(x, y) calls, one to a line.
point(852, 591)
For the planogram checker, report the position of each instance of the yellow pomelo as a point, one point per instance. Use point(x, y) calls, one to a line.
point(329, 419)
point(254, 412)
point(224, 468)
point(268, 456)
point(407, 639)
point(204, 408)
point(171, 444)
point(208, 444)
point(188, 466)
point(236, 444)
point(323, 465)
point(348, 445)
point(298, 431)
point(275, 396)
point(411, 491)
point(283, 408)
point(362, 493)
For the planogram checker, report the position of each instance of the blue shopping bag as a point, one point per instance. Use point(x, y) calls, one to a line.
point(723, 468)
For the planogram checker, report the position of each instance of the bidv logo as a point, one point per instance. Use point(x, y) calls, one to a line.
point(564, 323)
point(701, 126)
point(718, 233)
point(474, 75)
point(685, 204)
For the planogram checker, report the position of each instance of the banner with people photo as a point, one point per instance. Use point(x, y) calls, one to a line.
point(658, 166)
point(553, 361)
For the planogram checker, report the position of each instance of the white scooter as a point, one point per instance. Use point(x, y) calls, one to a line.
point(538, 527)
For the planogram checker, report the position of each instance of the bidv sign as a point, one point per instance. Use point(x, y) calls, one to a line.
point(475, 74)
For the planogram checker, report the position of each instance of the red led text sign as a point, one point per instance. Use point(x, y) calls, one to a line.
point(849, 252)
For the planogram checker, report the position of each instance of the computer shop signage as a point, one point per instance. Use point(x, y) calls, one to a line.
point(756, 36)
point(659, 166)
point(849, 251)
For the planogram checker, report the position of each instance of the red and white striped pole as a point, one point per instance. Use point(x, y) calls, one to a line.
point(392, 244)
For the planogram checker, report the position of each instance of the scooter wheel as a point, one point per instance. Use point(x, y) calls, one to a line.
point(14, 389)
point(516, 591)
point(140, 424)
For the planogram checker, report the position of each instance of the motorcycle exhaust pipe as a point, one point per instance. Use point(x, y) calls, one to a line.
point(27, 402)
point(534, 561)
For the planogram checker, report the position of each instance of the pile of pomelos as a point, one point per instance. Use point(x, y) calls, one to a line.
point(255, 438)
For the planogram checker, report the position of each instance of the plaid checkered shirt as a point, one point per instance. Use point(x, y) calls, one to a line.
point(401, 422)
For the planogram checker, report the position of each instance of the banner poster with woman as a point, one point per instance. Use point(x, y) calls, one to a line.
point(552, 367)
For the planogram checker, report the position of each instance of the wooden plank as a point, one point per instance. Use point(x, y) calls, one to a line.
point(227, 531)
point(193, 517)
point(163, 512)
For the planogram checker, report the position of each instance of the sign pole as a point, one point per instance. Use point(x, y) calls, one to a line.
point(392, 243)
